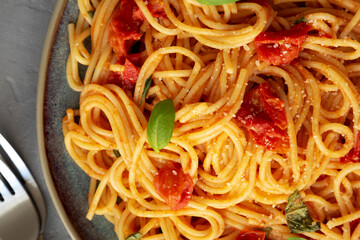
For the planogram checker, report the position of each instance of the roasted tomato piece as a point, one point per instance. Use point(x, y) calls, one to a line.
point(283, 46)
point(251, 235)
point(174, 186)
point(130, 73)
point(135, 59)
point(125, 23)
point(263, 114)
point(354, 154)
point(156, 8)
point(127, 77)
point(274, 107)
point(124, 28)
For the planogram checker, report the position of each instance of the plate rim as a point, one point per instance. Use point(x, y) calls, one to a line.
point(41, 87)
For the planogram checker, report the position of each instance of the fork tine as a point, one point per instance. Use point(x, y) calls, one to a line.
point(9, 177)
point(4, 191)
point(15, 158)
point(26, 177)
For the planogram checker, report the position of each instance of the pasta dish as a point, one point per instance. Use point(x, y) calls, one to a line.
point(218, 119)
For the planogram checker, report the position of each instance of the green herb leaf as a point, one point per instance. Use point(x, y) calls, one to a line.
point(267, 230)
point(301, 20)
point(216, 2)
point(117, 153)
point(297, 215)
point(146, 89)
point(161, 124)
point(134, 236)
point(91, 13)
point(296, 238)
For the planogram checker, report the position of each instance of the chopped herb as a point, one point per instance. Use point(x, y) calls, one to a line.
point(216, 2)
point(296, 238)
point(134, 236)
point(301, 20)
point(146, 90)
point(161, 124)
point(117, 153)
point(297, 215)
point(267, 230)
point(91, 13)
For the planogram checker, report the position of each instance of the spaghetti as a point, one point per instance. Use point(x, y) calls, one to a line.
point(267, 109)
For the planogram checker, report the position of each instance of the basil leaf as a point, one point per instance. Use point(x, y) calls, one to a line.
point(146, 90)
point(91, 13)
point(297, 215)
point(267, 230)
point(296, 238)
point(161, 124)
point(134, 236)
point(117, 153)
point(303, 19)
point(216, 2)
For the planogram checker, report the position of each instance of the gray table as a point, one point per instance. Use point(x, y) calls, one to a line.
point(23, 27)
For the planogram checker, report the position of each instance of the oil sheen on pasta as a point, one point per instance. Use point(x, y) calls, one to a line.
point(266, 97)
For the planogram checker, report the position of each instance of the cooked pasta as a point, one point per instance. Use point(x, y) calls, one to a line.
point(266, 110)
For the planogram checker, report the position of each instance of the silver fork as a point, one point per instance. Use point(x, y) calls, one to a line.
point(18, 215)
point(28, 182)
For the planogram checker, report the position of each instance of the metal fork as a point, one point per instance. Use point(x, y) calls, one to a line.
point(27, 181)
point(18, 215)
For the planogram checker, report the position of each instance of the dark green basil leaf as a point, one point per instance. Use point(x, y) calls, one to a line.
point(267, 230)
point(297, 215)
point(134, 236)
point(91, 13)
point(301, 20)
point(296, 238)
point(161, 124)
point(146, 90)
point(117, 153)
point(216, 2)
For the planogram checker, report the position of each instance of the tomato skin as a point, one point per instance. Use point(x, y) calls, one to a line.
point(174, 186)
point(354, 154)
point(263, 114)
point(251, 235)
point(281, 47)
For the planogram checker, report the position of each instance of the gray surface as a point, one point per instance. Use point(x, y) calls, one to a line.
point(23, 27)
